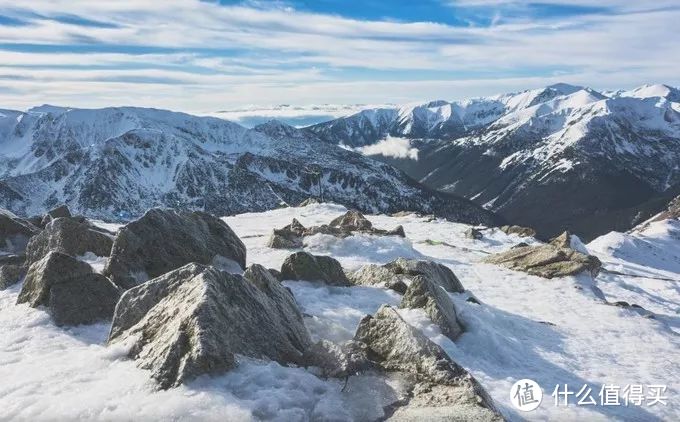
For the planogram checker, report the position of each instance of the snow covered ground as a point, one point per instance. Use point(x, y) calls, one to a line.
point(552, 331)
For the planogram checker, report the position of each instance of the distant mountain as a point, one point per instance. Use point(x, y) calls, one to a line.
point(561, 157)
point(115, 163)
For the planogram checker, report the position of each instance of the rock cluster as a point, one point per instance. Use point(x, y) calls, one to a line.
point(519, 230)
point(554, 259)
point(291, 236)
point(14, 232)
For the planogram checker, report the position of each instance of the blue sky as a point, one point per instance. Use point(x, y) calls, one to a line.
point(203, 56)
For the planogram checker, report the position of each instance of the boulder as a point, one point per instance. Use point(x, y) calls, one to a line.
point(439, 385)
point(193, 320)
point(309, 201)
point(473, 233)
point(14, 233)
point(425, 294)
point(54, 268)
point(61, 211)
point(353, 221)
point(519, 230)
point(439, 274)
point(547, 260)
point(379, 275)
point(305, 266)
point(289, 237)
point(338, 360)
point(71, 236)
point(83, 300)
point(68, 287)
point(12, 270)
point(163, 240)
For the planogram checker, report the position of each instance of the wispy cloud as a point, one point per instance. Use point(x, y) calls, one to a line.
point(203, 56)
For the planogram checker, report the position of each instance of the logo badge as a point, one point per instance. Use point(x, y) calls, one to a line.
point(526, 395)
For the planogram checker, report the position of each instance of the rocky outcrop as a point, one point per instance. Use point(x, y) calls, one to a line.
point(352, 222)
point(308, 267)
point(14, 233)
point(194, 320)
point(289, 237)
point(554, 259)
point(519, 230)
point(398, 274)
point(163, 240)
point(12, 270)
point(474, 234)
point(439, 274)
point(379, 275)
point(69, 288)
point(439, 385)
point(423, 293)
point(61, 211)
point(71, 236)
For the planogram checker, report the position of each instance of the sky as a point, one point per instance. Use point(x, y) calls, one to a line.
point(206, 56)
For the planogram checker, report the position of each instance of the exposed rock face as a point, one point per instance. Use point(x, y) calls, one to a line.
point(399, 274)
point(289, 237)
point(437, 273)
point(71, 236)
point(519, 230)
point(352, 220)
point(193, 320)
point(54, 268)
point(69, 288)
point(424, 293)
point(439, 383)
point(163, 240)
point(473, 233)
point(14, 232)
point(83, 300)
point(59, 212)
point(555, 259)
point(305, 266)
point(372, 275)
point(12, 269)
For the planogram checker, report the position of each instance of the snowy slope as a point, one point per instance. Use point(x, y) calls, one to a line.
point(553, 331)
point(580, 151)
point(115, 163)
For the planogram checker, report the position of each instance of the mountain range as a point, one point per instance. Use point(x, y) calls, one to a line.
point(555, 158)
point(116, 163)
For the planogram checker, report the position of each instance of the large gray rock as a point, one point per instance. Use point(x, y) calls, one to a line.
point(163, 240)
point(289, 237)
point(71, 236)
point(68, 287)
point(194, 320)
point(353, 221)
point(305, 266)
point(379, 275)
point(54, 268)
point(12, 270)
point(83, 300)
point(14, 233)
point(423, 293)
point(555, 259)
point(441, 390)
point(338, 360)
point(474, 233)
point(439, 274)
point(61, 211)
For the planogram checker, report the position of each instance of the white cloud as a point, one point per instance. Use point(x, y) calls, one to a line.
point(260, 55)
point(391, 147)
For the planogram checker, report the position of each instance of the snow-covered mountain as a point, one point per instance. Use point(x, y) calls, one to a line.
point(598, 161)
point(115, 163)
